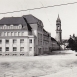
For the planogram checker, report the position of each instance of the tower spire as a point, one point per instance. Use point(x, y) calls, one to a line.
point(58, 19)
point(58, 15)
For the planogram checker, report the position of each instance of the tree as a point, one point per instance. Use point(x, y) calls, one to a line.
point(72, 44)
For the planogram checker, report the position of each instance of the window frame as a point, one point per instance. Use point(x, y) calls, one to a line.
point(7, 48)
point(0, 41)
point(21, 40)
point(6, 41)
point(14, 48)
point(14, 41)
point(30, 40)
point(21, 49)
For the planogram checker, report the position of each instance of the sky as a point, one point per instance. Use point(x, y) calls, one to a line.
point(67, 13)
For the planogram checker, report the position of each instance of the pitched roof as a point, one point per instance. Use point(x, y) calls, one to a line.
point(12, 20)
point(58, 19)
point(31, 19)
point(15, 21)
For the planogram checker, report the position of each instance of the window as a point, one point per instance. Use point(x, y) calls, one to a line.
point(14, 48)
point(7, 48)
point(22, 33)
point(30, 41)
point(7, 41)
point(11, 33)
point(19, 33)
point(20, 26)
point(21, 54)
point(5, 33)
point(21, 48)
point(15, 34)
point(8, 33)
point(21, 40)
point(0, 41)
point(14, 54)
point(6, 54)
point(14, 41)
point(0, 48)
point(0, 34)
point(30, 48)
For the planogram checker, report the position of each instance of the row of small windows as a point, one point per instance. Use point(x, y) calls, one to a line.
point(14, 48)
point(11, 27)
point(12, 34)
point(13, 54)
point(15, 41)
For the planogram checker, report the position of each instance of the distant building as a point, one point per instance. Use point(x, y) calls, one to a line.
point(58, 30)
point(64, 43)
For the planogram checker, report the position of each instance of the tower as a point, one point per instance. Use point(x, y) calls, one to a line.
point(58, 30)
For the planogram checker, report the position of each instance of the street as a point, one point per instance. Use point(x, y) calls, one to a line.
point(59, 63)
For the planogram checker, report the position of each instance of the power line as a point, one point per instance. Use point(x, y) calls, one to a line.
point(41, 7)
point(45, 13)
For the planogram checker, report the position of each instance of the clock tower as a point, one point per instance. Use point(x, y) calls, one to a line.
point(58, 30)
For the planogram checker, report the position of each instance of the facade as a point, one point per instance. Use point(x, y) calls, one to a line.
point(16, 37)
point(42, 37)
point(58, 30)
point(47, 43)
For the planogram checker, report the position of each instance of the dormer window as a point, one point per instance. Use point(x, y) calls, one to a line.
point(20, 26)
point(11, 26)
point(4, 26)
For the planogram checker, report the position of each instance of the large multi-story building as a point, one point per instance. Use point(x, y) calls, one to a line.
point(23, 36)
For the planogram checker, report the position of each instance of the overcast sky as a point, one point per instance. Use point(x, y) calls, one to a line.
point(68, 14)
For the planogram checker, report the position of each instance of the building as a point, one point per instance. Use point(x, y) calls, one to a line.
point(58, 30)
point(64, 44)
point(37, 31)
point(23, 36)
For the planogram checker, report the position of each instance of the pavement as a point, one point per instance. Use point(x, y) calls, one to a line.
point(72, 72)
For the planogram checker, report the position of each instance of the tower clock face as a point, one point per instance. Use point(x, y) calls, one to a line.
point(58, 27)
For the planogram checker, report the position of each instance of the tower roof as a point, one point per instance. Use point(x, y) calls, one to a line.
point(58, 19)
